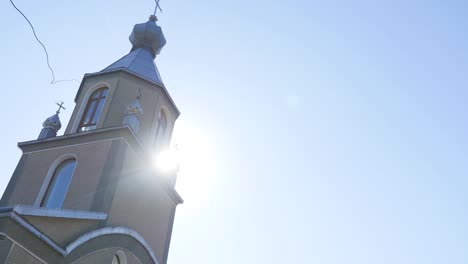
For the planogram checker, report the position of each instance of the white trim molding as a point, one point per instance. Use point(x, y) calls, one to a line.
point(111, 231)
point(58, 213)
point(16, 212)
point(37, 233)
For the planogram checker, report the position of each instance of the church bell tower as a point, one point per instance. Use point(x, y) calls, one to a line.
point(92, 195)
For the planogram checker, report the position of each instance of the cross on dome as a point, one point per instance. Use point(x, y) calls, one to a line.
point(157, 7)
point(60, 107)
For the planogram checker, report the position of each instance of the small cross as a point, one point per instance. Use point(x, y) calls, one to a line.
point(157, 7)
point(60, 107)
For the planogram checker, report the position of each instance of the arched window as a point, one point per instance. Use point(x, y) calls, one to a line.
point(58, 187)
point(93, 110)
point(160, 129)
point(119, 258)
point(116, 260)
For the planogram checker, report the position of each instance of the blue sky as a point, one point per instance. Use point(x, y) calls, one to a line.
point(335, 130)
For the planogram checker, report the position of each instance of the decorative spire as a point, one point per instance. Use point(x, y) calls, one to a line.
point(133, 113)
point(51, 125)
point(148, 36)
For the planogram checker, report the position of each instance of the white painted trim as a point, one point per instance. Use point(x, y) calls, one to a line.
point(37, 233)
point(64, 252)
point(50, 174)
point(58, 213)
point(73, 145)
point(84, 103)
point(110, 231)
point(90, 142)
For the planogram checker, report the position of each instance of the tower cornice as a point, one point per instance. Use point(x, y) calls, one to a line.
point(161, 86)
point(84, 138)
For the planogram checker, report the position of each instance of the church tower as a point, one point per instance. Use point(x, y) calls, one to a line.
point(93, 195)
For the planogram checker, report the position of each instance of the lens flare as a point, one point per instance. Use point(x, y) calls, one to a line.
point(167, 161)
point(196, 155)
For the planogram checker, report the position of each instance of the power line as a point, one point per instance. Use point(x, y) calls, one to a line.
point(43, 46)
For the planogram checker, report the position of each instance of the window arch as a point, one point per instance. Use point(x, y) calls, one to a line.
point(161, 127)
point(116, 259)
point(119, 258)
point(93, 109)
point(58, 186)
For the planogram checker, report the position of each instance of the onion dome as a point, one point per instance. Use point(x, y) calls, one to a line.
point(147, 40)
point(53, 122)
point(50, 127)
point(134, 108)
point(148, 35)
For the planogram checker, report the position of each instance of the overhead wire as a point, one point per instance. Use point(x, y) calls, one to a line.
point(126, 174)
point(54, 81)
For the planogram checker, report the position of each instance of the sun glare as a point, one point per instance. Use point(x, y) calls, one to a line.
point(195, 160)
point(167, 161)
point(192, 160)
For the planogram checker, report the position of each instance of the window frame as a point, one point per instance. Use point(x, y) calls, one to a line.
point(160, 132)
point(53, 176)
point(96, 101)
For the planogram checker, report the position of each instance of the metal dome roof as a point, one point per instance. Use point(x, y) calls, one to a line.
point(53, 122)
point(139, 62)
point(147, 40)
point(148, 35)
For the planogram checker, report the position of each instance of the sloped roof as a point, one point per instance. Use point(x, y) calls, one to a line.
point(139, 62)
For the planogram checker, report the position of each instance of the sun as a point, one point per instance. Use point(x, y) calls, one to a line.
point(167, 161)
point(192, 158)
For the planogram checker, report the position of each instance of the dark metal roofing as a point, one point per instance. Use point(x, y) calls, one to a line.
point(139, 62)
